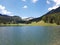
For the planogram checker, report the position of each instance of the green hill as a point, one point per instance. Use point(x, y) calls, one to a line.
point(52, 17)
point(5, 19)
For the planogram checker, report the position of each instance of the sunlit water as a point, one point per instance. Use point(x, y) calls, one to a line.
point(30, 35)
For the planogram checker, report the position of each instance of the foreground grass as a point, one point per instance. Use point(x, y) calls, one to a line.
point(40, 23)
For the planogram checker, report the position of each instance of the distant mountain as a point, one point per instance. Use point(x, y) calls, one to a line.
point(5, 19)
point(27, 19)
point(52, 16)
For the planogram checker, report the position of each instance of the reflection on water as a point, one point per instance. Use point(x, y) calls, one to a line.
point(30, 35)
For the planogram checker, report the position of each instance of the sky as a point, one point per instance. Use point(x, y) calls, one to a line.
point(27, 8)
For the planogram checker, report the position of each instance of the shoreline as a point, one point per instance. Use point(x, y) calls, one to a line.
point(28, 24)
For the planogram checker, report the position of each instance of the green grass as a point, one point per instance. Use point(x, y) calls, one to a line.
point(12, 24)
point(40, 23)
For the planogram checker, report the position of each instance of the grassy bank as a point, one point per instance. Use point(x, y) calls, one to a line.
point(12, 24)
point(40, 23)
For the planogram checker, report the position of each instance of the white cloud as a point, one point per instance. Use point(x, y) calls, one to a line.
point(48, 2)
point(25, 6)
point(34, 1)
point(56, 4)
point(4, 11)
point(54, 7)
point(23, 0)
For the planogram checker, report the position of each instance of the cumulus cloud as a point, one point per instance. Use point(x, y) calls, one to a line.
point(56, 4)
point(54, 7)
point(34, 1)
point(23, 0)
point(48, 2)
point(25, 6)
point(4, 11)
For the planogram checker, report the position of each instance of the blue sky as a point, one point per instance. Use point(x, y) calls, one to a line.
point(27, 8)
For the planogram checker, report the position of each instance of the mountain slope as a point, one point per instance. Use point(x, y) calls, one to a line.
point(52, 16)
point(5, 19)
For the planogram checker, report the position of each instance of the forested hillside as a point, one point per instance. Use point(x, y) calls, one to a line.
point(5, 19)
point(52, 16)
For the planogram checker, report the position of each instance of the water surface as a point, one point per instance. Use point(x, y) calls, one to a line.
point(30, 35)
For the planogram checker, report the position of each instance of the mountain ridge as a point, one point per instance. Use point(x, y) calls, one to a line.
point(52, 16)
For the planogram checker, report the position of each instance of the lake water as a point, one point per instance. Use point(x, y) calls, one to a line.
point(30, 35)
